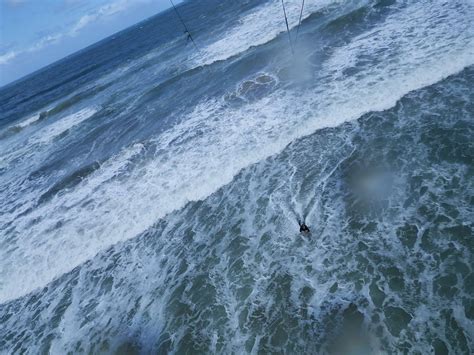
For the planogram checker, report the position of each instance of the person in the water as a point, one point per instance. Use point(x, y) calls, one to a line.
point(303, 228)
point(188, 36)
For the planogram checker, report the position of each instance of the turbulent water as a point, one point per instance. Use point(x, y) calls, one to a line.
point(149, 192)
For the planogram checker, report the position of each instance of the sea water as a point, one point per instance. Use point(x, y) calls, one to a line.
point(150, 192)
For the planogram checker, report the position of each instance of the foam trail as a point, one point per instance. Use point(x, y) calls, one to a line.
point(207, 149)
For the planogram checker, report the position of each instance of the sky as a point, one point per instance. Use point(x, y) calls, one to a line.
point(35, 33)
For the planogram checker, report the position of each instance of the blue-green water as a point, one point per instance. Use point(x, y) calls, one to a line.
point(150, 193)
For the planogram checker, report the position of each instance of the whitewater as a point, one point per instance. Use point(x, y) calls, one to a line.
point(150, 192)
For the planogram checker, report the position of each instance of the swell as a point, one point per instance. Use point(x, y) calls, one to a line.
point(61, 83)
point(237, 251)
point(68, 182)
point(77, 98)
point(19, 107)
point(159, 90)
point(201, 195)
point(230, 140)
point(58, 108)
point(326, 14)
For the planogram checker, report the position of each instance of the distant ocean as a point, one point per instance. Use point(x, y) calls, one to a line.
point(150, 192)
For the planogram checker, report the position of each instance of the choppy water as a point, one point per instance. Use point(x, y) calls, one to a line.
point(149, 194)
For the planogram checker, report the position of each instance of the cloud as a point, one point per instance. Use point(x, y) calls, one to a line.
point(43, 42)
point(100, 14)
point(83, 22)
point(7, 57)
point(103, 12)
point(15, 2)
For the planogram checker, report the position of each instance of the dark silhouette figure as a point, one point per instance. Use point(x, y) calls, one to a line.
point(303, 228)
point(188, 36)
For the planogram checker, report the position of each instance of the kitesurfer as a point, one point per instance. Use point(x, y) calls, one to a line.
point(188, 36)
point(303, 228)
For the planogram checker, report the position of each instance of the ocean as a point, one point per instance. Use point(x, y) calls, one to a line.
point(150, 192)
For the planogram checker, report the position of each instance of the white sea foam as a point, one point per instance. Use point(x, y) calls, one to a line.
point(25, 148)
point(259, 26)
point(205, 151)
point(57, 128)
point(28, 121)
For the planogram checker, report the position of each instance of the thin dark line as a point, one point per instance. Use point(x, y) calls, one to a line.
point(287, 27)
point(299, 22)
point(184, 25)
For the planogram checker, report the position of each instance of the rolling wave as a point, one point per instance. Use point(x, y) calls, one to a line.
point(419, 45)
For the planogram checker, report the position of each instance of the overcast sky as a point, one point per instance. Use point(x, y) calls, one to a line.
point(35, 33)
